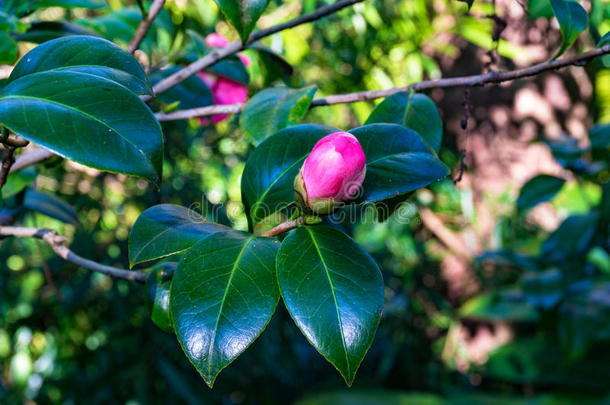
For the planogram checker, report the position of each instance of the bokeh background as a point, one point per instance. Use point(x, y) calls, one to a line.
point(485, 302)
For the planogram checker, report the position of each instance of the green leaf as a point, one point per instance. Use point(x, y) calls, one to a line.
point(468, 2)
point(43, 31)
point(415, 111)
point(158, 284)
point(334, 292)
point(272, 65)
point(167, 229)
point(538, 189)
point(398, 161)
point(571, 240)
point(507, 306)
point(539, 8)
point(89, 119)
point(91, 4)
point(268, 178)
point(223, 294)
point(18, 181)
point(274, 109)
point(242, 14)
point(51, 206)
point(572, 18)
point(190, 93)
point(599, 136)
point(9, 51)
point(85, 54)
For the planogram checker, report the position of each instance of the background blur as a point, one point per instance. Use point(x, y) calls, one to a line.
point(485, 301)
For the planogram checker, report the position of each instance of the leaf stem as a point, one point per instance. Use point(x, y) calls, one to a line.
point(284, 227)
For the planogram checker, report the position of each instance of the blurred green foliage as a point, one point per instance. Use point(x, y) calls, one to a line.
point(70, 336)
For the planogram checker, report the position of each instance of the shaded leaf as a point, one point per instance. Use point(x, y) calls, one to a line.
point(572, 18)
point(242, 14)
point(190, 93)
point(166, 229)
point(538, 189)
point(43, 31)
point(158, 284)
point(9, 51)
point(571, 240)
point(272, 65)
point(334, 292)
point(51, 206)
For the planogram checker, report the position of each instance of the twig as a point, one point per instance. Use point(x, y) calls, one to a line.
point(145, 24)
point(30, 158)
point(475, 80)
point(7, 162)
point(452, 240)
point(234, 47)
point(283, 227)
point(58, 244)
point(16, 141)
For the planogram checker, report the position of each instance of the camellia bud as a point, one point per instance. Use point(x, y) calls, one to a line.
point(332, 173)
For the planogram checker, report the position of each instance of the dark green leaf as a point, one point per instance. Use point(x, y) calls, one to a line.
point(85, 54)
point(223, 294)
point(268, 178)
point(51, 206)
point(599, 136)
point(242, 14)
point(571, 240)
point(274, 109)
point(272, 65)
point(158, 284)
point(89, 119)
point(334, 292)
point(71, 3)
point(9, 51)
point(468, 2)
point(398, 160)
point(43, 31)
point(499, 306)
point(539, 9)
point(167, 229)
point(543, 288)
point(415, 111)
point(538, 189)
point(190, 93)
point(572, 18)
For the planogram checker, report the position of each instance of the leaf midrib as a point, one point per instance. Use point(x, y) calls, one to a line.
point(332, 289)
point(222, 302)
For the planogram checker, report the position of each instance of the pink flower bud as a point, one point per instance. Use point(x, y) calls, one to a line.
point(332, 173)
point(224, 91)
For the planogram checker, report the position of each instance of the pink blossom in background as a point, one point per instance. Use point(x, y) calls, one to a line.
point(335, 168)
point(224, 91)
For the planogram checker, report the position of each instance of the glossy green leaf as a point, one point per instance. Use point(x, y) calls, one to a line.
point(223, 294)
point(538, 189)
point(572, 18)
point(274, 109)
point(92, 4)
point(415, 111)
point(166, 229)
point(43, 31)
point(398, 161)
point(158, 284)
point(9, 51)
point(86, 118)
point(190, 93)
point(334, 292)
point(51, 206)
point(242, 14)
point(268, 178)
point(85, 54)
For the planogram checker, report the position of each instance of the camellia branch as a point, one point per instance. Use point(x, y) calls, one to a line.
point(58, 244)
point(475, 80)
point(30, 158)
point(283, 227)
point(137, 39)
point(236, 46)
